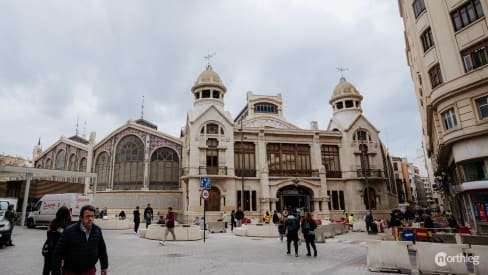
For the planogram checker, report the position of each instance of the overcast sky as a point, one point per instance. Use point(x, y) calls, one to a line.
point(60, 60)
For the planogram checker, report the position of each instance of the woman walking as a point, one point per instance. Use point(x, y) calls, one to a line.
point(56, 227)
point(308, 230)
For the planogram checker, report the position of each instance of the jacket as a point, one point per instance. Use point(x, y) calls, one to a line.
point(308, 226)
point(292, 225)
point(78, 253)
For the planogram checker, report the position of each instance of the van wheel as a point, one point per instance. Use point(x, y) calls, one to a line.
point(30, 223)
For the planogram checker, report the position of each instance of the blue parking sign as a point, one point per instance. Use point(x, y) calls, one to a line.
point(205, 183)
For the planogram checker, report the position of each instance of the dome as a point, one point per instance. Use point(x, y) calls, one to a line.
point(208, 76)
point(344, 88)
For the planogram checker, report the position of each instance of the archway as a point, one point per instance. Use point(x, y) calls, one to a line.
point(372, 198)
point(213, 203)
point(294, 196)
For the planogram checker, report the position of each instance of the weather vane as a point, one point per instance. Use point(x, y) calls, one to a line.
point(342, 70)
point(208, 56)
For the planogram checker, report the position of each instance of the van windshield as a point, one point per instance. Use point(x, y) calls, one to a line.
point(37, 206)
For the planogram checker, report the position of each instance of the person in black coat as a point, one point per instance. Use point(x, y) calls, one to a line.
point(148, 214)
point(232, 220)
point(292, 225)
point(80, 246)
point(137, 218)
point(56, 228)
point(308, 230)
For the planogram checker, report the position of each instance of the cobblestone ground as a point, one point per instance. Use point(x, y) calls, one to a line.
point(221, 254)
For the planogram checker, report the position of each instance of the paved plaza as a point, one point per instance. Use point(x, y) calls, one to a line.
point(222, 253)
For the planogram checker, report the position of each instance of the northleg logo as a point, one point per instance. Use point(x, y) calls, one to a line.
point(442, 259)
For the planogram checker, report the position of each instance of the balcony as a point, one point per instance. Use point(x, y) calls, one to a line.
point(334, 174)
point(212, 170)
point(245, 172)
point(293, 173)
point(374, 173)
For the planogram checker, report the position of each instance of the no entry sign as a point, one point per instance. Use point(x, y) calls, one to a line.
point(205, 194)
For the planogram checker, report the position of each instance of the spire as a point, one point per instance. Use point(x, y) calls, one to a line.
point(208, 56)
point(77, 121)
point(83, 135)
point(39, 142)
point(142, 108)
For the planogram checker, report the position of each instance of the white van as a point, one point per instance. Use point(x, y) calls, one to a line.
point(45, 209)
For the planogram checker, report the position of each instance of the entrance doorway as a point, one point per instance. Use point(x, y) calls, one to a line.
point(290, 197)
point(213, 203)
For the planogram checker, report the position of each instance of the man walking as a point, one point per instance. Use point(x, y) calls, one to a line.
point(292, 225)
point(137, 218)
point(170, 225)
point(80, 247)
point(148, 214)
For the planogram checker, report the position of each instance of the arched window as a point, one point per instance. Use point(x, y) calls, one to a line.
point(48, 164)
point(129, 164)
point(362, 136)
point(265, 108)
point(164, 170)
point(60, 159)
point(72, 163)
point(212, 129)
point(102, 168)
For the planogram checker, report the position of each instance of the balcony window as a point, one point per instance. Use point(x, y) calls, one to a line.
point(418, 7)
point(466, 14)
point(475, 171)
point(265, 108)
point(449, 119)
point(435, 76)
point(482, 104)
point(427, 39)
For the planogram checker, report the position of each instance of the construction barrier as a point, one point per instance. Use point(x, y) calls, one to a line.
point(481, 262)
point(440, 258)
point(388, 256)
point(216, 227)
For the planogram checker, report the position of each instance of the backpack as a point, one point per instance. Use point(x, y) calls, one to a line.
point(292, 225)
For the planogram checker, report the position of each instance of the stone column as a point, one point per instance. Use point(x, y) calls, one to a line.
point(147, 148)
point(89, 159)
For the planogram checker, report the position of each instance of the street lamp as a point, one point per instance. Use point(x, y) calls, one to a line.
point(364, 166)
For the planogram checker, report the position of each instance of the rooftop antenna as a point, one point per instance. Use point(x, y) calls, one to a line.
point(84, 130)
point(142, 108)
point(208, 56)
point(77, 122)
point(342, 70)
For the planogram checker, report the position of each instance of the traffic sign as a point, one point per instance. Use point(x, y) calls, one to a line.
point(205, 194)
point(205, 183)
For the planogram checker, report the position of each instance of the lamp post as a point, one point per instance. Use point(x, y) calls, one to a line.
point(242, 167)
point(365, 167)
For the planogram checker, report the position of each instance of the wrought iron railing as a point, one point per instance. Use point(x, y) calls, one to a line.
point(333, 174)
point(293, 173)
point(213, 170)
point(245, 172)
point(376, 173)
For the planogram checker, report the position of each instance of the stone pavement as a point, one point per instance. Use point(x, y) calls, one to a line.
point(222, 253)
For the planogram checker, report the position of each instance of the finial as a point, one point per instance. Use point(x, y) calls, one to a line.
point(39, 141)
point(142, 108)
point(77, 121)
point(208, 56)
point(342, 70)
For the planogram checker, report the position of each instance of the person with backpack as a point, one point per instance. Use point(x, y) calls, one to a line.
point(239, 217)
point(56, 227)
point(148, 214)
point(292, 226)
point(308, 230)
